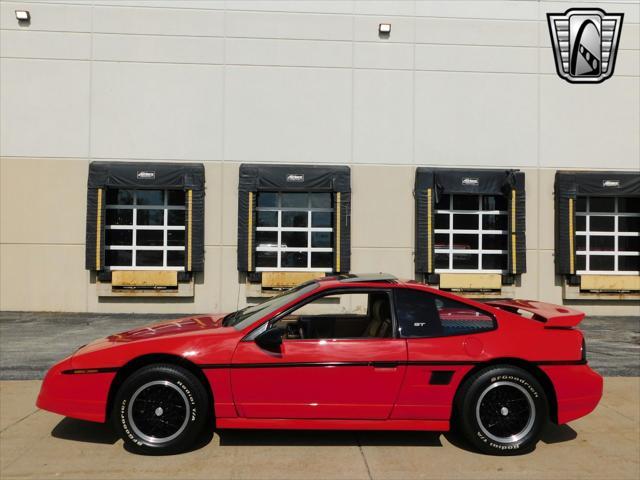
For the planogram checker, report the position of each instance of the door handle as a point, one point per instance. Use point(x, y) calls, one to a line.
point(385, 364)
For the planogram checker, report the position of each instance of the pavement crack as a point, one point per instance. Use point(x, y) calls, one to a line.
point(20, 420)
point(619, 413)
point(364, 458)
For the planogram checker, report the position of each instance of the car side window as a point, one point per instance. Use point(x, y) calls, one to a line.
point(340, 315)
point(423, 315)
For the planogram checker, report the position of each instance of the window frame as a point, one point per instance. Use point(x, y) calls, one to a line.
point(479, 213)
point(134, 228)
point(268, 324)
point(616, 234)
point(309, 230)
point(435, 296)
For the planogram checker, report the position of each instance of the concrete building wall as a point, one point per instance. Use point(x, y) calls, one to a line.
point(457, 84)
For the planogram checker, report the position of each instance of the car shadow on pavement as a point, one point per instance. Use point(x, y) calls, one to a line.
point(83, 431)
point(327, 438)
point(558, 434)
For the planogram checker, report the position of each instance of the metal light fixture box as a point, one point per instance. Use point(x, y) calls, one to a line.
point(23, 15)
point(384, 28)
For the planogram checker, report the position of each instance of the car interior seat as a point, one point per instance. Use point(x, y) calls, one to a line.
point(380, 322)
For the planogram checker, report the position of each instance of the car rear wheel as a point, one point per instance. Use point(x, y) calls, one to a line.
point(501, 410)
point(160, 409)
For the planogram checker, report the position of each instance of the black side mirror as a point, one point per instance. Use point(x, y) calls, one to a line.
point(271, 340)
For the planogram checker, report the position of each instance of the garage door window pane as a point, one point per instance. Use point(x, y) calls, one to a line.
point(149, 258)
point(150, 217)
point(175, 258)
point(465, 261)
point(321, 239)
point(119, 197)
point(118, 257)
point(321, 200)
point(494, 262)
point(119, 217)
point(266, 238)
point(322, 259)
point(266, 259)
point(150, 197)
point(294, 239)
point(176, 217)
point(321, 219)
point(175, 238)
point(294, 219)
point(176, 197)
point(118, 237)
point(295, 200)
point(294, 259)
point(150, 238)
point(629, 264)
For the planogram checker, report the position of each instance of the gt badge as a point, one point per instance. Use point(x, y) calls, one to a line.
point(585, 43)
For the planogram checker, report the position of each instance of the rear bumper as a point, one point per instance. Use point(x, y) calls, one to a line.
point(82, 396)
point(578, 390)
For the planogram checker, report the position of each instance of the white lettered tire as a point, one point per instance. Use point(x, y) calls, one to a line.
point(501, 410)
point(160, 408)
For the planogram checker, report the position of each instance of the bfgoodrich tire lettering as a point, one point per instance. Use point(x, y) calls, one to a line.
point(160, 409)
point(501, 410)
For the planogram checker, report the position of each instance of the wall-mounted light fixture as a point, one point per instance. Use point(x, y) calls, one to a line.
point(384, 29)
point(23, 16)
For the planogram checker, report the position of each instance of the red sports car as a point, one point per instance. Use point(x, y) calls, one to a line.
point(347, 352)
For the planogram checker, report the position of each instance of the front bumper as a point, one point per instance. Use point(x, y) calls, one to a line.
point(82, 396)
point(578, 390)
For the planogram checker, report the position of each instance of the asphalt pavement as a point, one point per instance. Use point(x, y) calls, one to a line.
point(30, 342)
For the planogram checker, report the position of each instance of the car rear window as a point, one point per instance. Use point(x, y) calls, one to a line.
point(423, 315)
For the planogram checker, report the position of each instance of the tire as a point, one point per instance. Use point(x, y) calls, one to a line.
point(160, 409)
point(501, 410)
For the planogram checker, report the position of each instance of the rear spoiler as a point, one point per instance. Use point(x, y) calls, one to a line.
point(553, 316)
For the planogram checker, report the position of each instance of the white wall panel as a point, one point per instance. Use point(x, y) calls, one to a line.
point(44, 108)
point(500, 9)
point(466, 31)
point(157, 111)
point(37, 44)
point(289, 25)
point(160, 21)
point(385, 7)
point(383, 117)
point(393, 56)
point(154, 48)
point(458, 58)
point(475, 119)
point(288, 114)
point(306, 53)
point(590, 127)
point(306, 6)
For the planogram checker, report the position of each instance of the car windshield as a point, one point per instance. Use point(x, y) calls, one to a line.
point(248, 315)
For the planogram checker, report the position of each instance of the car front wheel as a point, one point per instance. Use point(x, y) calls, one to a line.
point(501, 410)
point(160, 409)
